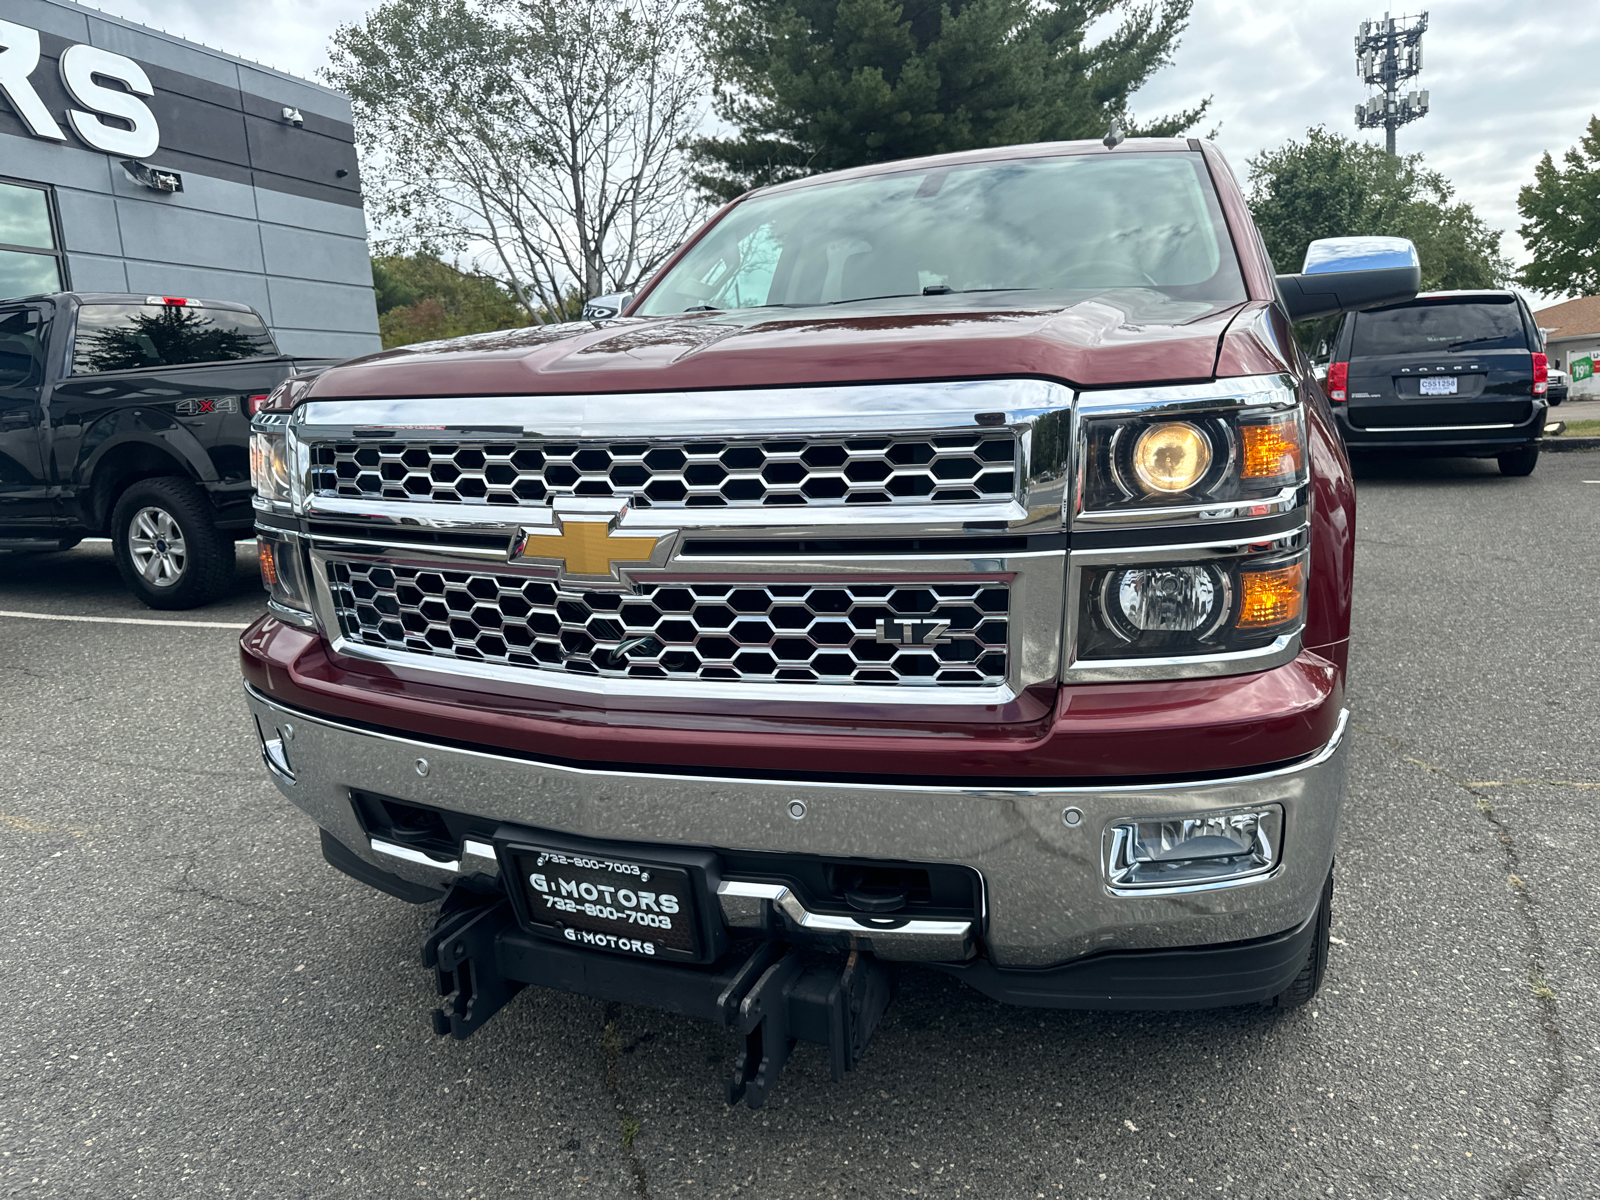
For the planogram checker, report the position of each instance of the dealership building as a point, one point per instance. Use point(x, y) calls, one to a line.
point(134, 161)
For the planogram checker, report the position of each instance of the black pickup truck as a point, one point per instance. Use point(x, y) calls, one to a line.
point(128, 417)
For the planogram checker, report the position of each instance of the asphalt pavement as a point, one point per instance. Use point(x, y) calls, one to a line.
point(201, 1007)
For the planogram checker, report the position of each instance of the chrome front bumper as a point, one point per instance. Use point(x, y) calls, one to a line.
point(1047, 899)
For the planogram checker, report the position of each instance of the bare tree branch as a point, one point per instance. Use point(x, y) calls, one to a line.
point(541, 139)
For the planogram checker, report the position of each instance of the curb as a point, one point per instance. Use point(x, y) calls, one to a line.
point(1569, 443)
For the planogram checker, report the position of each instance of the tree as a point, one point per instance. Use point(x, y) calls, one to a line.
point(1331, 186)
point(1561, 209)
point(539, 140)
point(818, 85)
point(422, 299)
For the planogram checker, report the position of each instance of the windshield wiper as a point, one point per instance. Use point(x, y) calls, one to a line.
point(1476, 340)
point(933, 289)
point(890, 296)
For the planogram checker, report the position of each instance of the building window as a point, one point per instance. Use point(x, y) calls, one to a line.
point(30, 253)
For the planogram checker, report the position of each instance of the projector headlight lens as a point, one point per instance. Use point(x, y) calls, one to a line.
point(1171, 457)
point(1216, 462)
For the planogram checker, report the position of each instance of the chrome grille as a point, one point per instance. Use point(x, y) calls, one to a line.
point(882, 469)
point(823, 632)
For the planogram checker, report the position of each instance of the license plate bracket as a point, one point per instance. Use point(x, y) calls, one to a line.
point(1438, 385)
point(644, 902)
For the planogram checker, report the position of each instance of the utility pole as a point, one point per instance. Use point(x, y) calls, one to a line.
point(1389, 52)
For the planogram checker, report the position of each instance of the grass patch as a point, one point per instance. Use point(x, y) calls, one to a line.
point(1581, 429)
point(1541, 989)
point(631, 1127)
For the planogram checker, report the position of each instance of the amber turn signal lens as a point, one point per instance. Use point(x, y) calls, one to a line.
point(269, 565)
point(1271, 597)
point(1171, 457)
point(1271, 450)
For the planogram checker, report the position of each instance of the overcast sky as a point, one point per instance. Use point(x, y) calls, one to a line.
point(1508, 80)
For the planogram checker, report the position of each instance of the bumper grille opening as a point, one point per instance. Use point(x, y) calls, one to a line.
point(887, 634)
point(409, 825)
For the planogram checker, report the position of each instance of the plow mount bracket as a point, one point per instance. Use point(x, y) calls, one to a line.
point(764, 991)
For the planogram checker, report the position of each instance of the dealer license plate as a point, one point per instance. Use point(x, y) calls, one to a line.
point(604, 903)
point(1438, 385)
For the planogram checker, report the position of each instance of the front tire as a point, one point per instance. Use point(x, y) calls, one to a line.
point(1305, 985)
point(168, 548)
point(1519, 462)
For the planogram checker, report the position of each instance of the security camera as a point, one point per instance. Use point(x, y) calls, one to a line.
point(292, 115)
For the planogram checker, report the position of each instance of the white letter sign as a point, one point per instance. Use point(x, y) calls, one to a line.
point(82, 67)
point(79, 66)
point(19, 55)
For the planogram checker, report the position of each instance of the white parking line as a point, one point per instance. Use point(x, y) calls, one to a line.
point(29, 616)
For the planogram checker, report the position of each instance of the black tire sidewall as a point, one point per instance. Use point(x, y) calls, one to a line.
point(1519, 463)
point(207, 570)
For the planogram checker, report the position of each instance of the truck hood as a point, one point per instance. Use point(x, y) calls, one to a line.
point(1130, 336)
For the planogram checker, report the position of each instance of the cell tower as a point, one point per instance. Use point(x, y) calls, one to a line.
point(1389, 52)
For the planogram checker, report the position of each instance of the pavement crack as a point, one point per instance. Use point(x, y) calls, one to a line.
point(165, 768)
point(184, 888)
point(1559, 1078)
point(612, 1043)
point(27, 672)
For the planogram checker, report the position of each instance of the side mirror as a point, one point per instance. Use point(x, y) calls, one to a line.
point(1349, 274)
point(603, 308)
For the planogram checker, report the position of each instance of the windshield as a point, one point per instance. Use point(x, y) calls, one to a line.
point(1079, 224)
point(1476, 324)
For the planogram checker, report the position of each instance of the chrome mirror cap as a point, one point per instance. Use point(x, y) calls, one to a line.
point(1326, 256)
point(603, 308)
point(1350, 274)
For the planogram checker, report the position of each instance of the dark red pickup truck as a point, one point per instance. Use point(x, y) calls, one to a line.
point(946, 562)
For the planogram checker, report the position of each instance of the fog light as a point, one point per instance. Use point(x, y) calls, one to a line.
point(1171, 457)
point(1165, 599)
point(1195, 850)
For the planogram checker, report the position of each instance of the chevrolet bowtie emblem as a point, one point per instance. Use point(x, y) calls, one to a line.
point(581, 547)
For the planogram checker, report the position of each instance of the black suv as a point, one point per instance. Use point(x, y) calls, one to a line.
point(1459, 374)
point(128, 417)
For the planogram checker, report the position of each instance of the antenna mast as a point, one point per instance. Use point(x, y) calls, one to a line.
point(1389, 52)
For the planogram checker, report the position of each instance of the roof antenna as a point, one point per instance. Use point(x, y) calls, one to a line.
point(1114, 136)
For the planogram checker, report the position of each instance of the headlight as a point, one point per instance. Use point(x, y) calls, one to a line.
point(270, 473)
point(1161, 588)
point(1188, 609)
point(1171, 457)
point(1190, 459)
point(283, 571)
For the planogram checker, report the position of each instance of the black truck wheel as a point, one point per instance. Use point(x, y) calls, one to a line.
point(1519, 462)
point(168, 547)
point(1306, 983)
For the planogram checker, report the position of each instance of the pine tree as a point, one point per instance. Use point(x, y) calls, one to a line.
point(820, 85)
